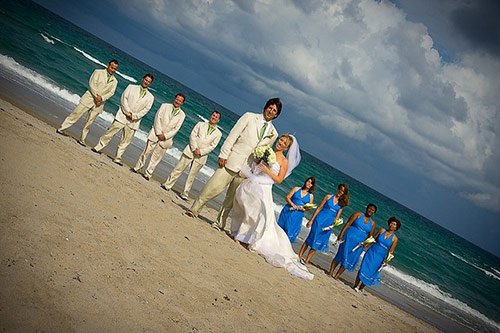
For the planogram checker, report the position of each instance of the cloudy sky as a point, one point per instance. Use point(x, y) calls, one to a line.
point(401, 95)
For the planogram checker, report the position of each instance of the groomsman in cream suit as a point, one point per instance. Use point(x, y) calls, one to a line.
point(134, 104)
point(250, 131)
point(168, 121)
point(102, 85)
point(204, 137)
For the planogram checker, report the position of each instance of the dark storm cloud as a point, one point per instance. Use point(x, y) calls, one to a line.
point(479, 23)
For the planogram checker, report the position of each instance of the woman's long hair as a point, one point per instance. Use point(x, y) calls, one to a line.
point(313, 186)
point(344, 198)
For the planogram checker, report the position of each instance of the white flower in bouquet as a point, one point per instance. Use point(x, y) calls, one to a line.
point(307, 206)
point(389, 257)
point(367, 241)
point(265, 154)
point(337, 222)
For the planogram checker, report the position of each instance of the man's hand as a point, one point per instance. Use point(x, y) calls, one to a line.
point(222, 162)
point(97, 100)
point(129, 116)
point(197, 152)
point(161, 137)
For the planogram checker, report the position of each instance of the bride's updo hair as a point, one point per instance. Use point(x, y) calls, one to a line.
point(289, 140)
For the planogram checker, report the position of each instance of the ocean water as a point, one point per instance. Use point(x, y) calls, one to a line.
point(432, 266)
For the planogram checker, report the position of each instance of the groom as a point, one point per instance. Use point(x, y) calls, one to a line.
point(250, 131)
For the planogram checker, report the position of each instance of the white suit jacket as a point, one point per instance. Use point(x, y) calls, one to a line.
point(167, 124)
point(199, 138)
point(243, 139)
point(131, 101)
point(99, 85)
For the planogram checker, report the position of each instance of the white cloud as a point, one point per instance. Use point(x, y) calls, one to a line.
point(361, 70)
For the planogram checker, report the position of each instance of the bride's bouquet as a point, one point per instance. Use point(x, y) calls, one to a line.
point(264, 154)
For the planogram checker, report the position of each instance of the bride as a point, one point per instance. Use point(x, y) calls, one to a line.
point(253, 221)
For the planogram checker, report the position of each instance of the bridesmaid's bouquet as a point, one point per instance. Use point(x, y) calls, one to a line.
point(338, 222)
point(264, 154)
point(390, 256)
point(307, 206)
point(366, 242)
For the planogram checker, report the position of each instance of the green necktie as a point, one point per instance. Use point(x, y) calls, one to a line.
point(175, 112)
point(211, 129)
point(143, 92)
point(262, 130)
point(110, 78)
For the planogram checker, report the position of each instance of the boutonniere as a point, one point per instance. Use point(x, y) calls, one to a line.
point(270, 135)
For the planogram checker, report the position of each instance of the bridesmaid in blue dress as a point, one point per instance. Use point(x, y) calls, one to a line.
point(373, 261)
point(359, 227)
point(290, 219)
point(329, 210)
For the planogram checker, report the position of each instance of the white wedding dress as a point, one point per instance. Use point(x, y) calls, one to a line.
point(253, 222)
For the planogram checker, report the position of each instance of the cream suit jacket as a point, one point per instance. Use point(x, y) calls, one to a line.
point(131, 101)
point(243, 139)
point(199, 138)
point(167, 124)
point(99, 85)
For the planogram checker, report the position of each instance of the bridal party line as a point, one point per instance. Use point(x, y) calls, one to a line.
point(252, 158)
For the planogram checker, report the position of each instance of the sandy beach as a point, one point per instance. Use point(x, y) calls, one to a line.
point(88, 246)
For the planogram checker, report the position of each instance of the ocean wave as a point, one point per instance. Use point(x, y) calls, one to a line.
point(88, 56)
point(126, 77)
point(434, 291)
point(485, 271)
point(47, 39)
point(54, 37)
point(201, 117)
point(94, 60)
point(38, 79)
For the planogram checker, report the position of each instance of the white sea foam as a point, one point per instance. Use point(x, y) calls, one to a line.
point(54, 37)
point(37, 79)
point(434, 291)
point(201, 117)
point(47, 39)
point(88, 56)
point(91, 58)
point(126, 77)
point(485, 271)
